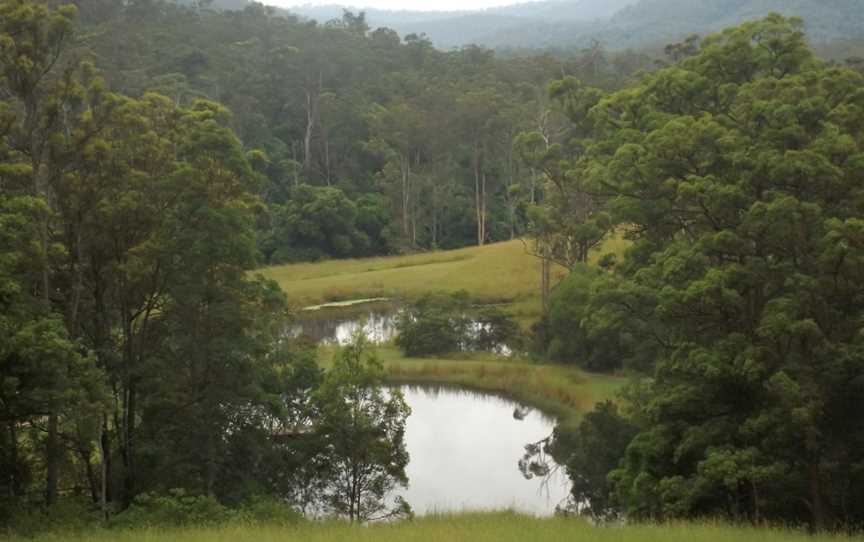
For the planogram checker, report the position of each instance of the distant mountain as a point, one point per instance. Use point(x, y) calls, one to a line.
point(665, 21)
point(618, 24)
point(525, 24)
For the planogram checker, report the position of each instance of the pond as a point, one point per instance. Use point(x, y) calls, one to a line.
point(337, 326)
point(465, 447)
point(377, 321)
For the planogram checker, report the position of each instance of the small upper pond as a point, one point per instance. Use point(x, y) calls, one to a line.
point(465, 448)
point(377, 321)
point(337, 326)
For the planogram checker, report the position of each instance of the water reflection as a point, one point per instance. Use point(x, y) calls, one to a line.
point(378, 323)
point(465, 448)
point(337, 327)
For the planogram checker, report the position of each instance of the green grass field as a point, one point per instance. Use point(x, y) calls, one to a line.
point(497, 273)
point(474, 527)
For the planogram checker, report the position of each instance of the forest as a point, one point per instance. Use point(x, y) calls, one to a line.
point(565, 25)
point(690, 235)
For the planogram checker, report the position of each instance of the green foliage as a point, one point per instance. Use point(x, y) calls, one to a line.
point(174, 509)
point(445, 323)
point(418, 140)
point(736, 174)
point(362, 430)
point(592, 321)
point(319, 222)
point(29, 520)
point(436, 324)
point(595, 449)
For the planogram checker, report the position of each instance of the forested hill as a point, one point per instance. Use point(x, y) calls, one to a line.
point(544, 23)
point(664, 21)
point(618, 24)
point(370, 144)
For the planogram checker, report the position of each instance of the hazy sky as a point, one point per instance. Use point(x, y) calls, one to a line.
point(414, 5)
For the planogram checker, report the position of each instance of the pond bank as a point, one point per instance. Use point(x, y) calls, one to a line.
point(561, 391)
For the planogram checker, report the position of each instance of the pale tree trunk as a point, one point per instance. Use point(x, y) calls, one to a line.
point(483, 203)
point(52, 463)
point(479, 182)
point(545, 279)
point(327, 159)
point(105, 450)
point(817, 505)
point(17, 489)
point(40, 188)
point(405, 169)
point(310, 126)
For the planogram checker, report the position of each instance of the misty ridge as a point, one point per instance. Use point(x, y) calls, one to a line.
point(616, 24)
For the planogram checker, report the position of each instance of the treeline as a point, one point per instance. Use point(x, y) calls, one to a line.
point(738, 175)
point(137, 353)
point(371, 144)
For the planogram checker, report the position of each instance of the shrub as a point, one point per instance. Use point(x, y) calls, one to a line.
point(440, 324)
point(31, 519)
point(175, 509)
point(268, 510)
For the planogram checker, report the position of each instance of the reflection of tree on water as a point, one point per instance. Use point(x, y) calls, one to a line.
point(520, 412)
point(541, 461)
point(464, 447)
point(337, 328)
point(589, 454)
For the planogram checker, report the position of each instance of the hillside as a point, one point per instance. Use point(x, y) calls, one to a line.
point(618, 24)
point(666, 21)
point(497, 272)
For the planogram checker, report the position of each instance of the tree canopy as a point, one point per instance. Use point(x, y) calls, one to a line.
point(736, 173)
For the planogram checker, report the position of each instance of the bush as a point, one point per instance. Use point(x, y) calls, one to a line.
point(268, 510)
point(440, 324)
point(30, 519)
point(176, 509)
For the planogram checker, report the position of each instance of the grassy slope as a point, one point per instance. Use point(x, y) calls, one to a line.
point(500, 272)
point(491, 527)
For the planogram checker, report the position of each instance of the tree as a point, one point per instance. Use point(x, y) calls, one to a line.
point(362, 432)
point(597, 447)
point(737, 174)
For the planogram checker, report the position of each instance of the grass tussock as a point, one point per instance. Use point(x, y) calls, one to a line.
point(473, 527)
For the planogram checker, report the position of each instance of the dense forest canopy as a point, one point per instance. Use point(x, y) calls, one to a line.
point(737, 174)
point(402, 146)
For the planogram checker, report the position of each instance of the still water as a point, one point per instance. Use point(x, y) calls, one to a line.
point(377, 323)
point(338, 327)
point(465, 447)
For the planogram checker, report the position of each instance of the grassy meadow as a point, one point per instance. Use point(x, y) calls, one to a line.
point(469, 527)
point(496, 273)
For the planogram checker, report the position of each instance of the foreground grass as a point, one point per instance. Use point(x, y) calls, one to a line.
point(563, 391)
point(475, 527)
